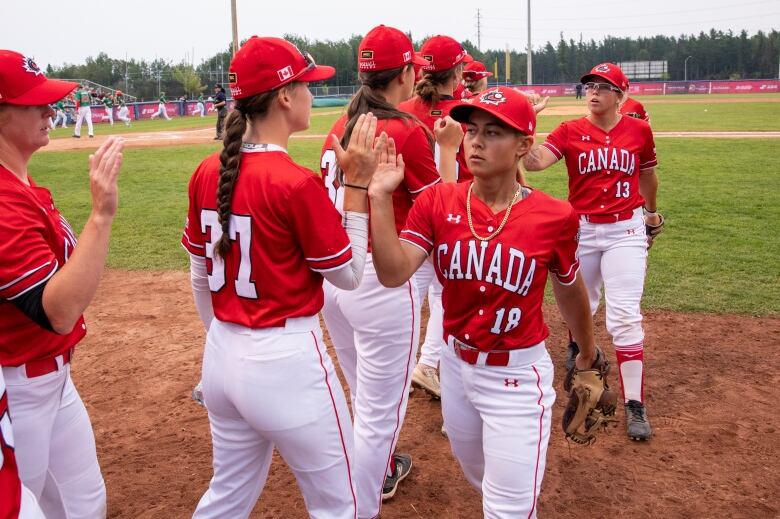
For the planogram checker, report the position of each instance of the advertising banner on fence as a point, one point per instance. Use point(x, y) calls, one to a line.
point(748, 86)
point(146, 110)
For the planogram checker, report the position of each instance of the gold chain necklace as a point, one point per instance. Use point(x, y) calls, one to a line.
point(503, 222)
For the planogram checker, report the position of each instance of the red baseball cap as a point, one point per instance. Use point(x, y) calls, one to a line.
point(263, 64)
point(476, 70)
point(443, 53)
point(386, 48)
point(608, 72)
point(23, 83)
point(504, 103)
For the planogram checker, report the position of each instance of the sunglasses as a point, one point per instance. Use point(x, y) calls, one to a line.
point(601, 86)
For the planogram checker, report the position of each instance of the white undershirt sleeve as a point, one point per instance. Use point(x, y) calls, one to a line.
point(349, 276)
point(200, 289)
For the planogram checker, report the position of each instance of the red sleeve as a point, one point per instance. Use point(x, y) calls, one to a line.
point(564, 263)
point(647, 158)
point(556, 141)
point(421, 172)
point(192, 238)
point(317, 227)
point(419, 228)
point(28, 259)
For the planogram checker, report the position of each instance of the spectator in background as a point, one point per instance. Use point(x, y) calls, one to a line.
point(220, 105)
point(578, 90)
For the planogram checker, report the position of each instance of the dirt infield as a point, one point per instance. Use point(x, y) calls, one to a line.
point(711, 390)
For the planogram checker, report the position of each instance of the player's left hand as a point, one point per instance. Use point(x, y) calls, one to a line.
point(389, 173)
point(654, 225)
point(537, 101)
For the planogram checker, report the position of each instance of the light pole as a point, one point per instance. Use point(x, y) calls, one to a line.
point(685, 65)
point(529, 66)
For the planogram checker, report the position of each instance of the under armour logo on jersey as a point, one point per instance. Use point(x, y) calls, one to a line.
point(631, 231)
point(586, 137)
point(492, 97)
point(285, 73)
point(453, 218)
point(511, 382)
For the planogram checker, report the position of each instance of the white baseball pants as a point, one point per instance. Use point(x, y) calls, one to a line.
point(428, 284)
point(110, 114)
point(61, 118)
point(375, 332)
point(85, 112)
point(123, 115)
point(30, 509)
point(161, 112)
point(55, 445)
point(200, 109)
point(275, 387)
point(614, 255)
point(498, 423)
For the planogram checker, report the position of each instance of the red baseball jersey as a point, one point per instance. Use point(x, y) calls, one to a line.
point(284, 233)
point(493, 290)
point(10, 486)
point(604, 167)
point(461, 92)
point(635, 109)
point(35, 242)
point(428, 115)
point(411, 140)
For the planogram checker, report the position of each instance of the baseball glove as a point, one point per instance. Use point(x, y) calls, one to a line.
point(654, 230)
point(592, 403)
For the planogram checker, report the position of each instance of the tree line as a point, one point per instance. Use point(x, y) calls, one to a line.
point(711, 55)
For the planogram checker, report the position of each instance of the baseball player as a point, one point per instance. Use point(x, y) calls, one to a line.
point(46, 282)
point(16, 500)
point(375, 330)
point(83, 101)
point(432, 102)
point(200, 107)
point(161, 108)
point(633, 108)
point(613, 186)
point(123, 114)
point(493, 242)
point(60, 118)
point(108, 103)
point(259, 251)
point(475, 78)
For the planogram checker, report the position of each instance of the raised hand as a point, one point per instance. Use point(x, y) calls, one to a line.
point(448, 132)
point(361, 157)
point(104, 168)
point(390, 170)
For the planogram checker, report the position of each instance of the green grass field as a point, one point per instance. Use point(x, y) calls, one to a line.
point(720, 252)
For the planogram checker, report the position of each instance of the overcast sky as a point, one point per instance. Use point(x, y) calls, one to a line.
point(56, 32)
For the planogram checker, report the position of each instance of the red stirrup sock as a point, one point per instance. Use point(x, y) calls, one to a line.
point(630, 369)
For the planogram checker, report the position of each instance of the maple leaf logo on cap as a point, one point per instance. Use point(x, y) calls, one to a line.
point(285, 73)
point(30, 66)
point(492, 97)
point(602, 68)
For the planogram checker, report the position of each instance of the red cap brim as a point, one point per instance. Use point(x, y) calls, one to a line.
point(418, 60)
point(470, 74)
point(468, 58)
point(318, 73)
point(50, 91)
point(462, 111)
point(586, 77)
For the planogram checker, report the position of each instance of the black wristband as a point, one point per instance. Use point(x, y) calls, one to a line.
point(353, 186)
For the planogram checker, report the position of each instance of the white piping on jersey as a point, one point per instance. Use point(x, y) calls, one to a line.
point(426, 240)
point(337, 267)
point(555, 150)
point(416, 245)
point(649, 164)
point(44, 280)
point(574, 265)
point(426, 187)
point(342, 251)
point(193, 244)
point(25, 275)
point(253, 147)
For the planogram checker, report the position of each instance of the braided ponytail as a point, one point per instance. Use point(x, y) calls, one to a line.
point(230, 158)
point(428, 87)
